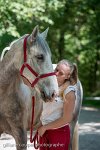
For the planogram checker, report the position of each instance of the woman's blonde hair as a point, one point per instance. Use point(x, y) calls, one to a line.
point(73, 74)
point(74, 71)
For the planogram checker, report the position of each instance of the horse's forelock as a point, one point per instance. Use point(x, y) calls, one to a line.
point(42, 42)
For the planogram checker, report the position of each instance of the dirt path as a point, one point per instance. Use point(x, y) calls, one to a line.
point(89, 131)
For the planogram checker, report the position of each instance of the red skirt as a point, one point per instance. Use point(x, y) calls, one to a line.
point(55, 139)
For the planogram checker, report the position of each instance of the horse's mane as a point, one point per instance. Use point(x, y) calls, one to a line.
point(4, 51)
point(43, 44)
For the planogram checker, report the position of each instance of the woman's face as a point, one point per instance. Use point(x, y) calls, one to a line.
point(62, 73)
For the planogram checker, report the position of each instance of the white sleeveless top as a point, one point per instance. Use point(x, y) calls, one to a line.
point(54, 110)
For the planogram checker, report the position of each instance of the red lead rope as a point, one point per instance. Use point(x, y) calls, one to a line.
point(35, 139)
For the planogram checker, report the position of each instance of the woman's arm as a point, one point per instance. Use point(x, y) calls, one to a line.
point(67, 114)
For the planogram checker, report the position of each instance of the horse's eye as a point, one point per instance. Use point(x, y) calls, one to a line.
point(40, 57)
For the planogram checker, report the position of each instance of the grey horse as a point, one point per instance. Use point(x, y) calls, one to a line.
point(15, 96)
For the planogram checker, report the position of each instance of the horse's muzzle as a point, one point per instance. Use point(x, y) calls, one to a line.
point(49, 97)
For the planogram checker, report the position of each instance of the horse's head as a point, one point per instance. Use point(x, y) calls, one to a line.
point(39, 59)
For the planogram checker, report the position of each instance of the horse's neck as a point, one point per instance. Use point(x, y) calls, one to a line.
point(10, 80)
point(9, 75)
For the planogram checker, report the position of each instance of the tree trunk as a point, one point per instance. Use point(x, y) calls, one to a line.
point(61, 44)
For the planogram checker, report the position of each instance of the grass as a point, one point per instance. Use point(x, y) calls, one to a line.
point(91, 103)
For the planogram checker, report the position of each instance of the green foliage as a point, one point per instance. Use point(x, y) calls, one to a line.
point(74, 31)
point(96, 93)
point(91, 103)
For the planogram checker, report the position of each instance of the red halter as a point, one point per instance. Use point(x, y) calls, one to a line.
point(38, 77)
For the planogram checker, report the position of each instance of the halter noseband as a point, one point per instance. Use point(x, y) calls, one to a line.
point(26, 65)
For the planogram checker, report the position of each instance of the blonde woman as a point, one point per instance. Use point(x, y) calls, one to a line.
point(56, 115)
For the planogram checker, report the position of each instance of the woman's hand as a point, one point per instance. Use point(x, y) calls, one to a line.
point(41, 130)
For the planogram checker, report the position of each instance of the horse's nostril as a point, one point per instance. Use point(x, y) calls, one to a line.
point(43, 94)
point(53, 95)
point(48, 97)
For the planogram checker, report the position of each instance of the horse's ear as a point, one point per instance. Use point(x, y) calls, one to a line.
point(44, 34)
point(34, 33)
